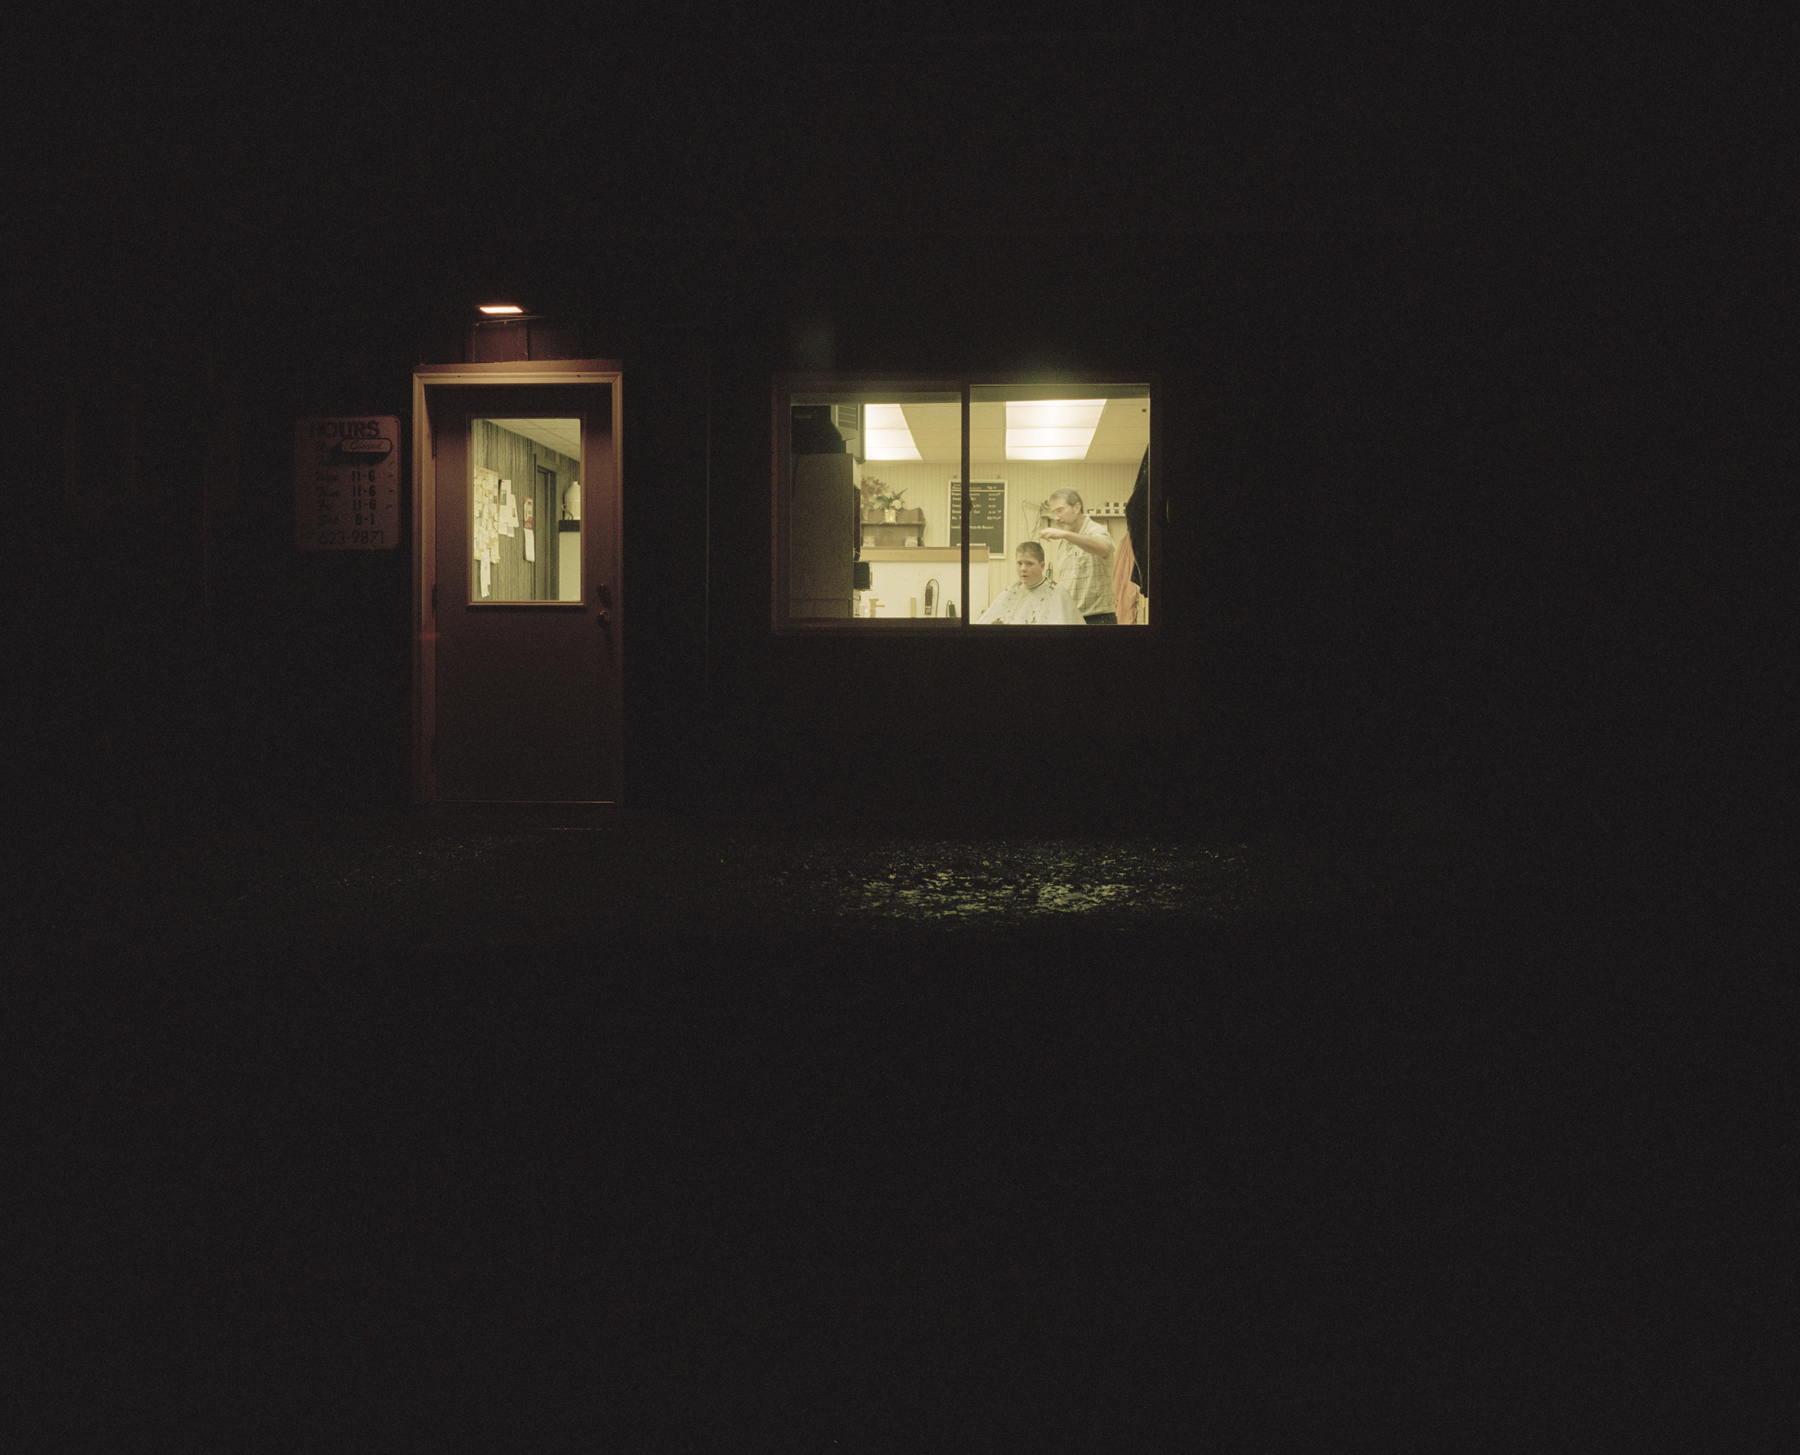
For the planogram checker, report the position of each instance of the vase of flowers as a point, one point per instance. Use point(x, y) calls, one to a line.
point(877, 496)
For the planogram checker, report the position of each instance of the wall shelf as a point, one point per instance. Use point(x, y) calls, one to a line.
point(880, 533)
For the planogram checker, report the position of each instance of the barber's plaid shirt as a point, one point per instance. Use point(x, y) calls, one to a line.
point(1085, 576)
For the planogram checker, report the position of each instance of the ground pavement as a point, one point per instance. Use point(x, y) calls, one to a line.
point(384, 1133)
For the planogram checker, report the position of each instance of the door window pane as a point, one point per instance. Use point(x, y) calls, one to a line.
point(524, 510)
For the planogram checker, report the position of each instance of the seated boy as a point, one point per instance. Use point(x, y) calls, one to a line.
point(1032, 600)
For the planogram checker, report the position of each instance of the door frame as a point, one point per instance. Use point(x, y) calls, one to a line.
point(424, 482)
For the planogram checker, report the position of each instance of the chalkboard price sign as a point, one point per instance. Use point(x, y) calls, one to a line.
point(987, 514)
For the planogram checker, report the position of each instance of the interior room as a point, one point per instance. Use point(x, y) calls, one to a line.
point(525, 510)
point(904, 460)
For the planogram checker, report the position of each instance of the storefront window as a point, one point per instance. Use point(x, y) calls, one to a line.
point(868, 528)
point(524, 510)
point(874, 525)
point(1065, 460)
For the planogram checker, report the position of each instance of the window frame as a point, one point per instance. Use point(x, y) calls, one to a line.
point(784, 386)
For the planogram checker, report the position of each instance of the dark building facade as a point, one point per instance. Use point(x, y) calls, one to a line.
point(1302, 493)
point(1395, 405)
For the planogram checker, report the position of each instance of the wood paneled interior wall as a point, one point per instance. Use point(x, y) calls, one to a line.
point(514, 457)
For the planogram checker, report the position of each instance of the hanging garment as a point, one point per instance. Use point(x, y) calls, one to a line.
point(1125, 590)
point(1137, 522)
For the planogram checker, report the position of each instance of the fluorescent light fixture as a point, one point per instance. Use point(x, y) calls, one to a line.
point(1051, 429)
point(886, 434)
point(492, 309)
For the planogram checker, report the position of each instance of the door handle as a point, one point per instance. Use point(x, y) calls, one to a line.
point(603, 595)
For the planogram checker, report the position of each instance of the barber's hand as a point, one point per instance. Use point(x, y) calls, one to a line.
point(1051, 533)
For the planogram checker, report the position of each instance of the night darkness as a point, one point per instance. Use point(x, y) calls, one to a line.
point(1371, 1073)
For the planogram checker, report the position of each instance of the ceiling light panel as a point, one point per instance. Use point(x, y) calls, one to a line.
point(886, 435)
point(1051, 429)
point(936, 431)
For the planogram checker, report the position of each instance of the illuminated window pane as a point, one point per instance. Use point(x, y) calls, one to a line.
point(869, 527)
point(1062, 459)
point(524, 510)
point(873, 525)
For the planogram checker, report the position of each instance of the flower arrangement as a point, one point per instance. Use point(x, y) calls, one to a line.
point(874, 491)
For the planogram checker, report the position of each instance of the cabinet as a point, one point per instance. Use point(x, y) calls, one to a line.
point(897, 579)
point(881, 534)
point(822, 541)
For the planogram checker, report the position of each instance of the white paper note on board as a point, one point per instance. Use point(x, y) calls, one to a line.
point(484, 577)
point(530, 555)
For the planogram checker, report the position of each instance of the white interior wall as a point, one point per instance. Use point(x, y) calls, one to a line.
point(896, 583)
point(927, 485)
point(568, 546)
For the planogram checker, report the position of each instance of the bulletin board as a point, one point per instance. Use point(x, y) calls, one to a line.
point(489, 523)
point(987, 514)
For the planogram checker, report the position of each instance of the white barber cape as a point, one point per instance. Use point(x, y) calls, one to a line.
point(1045, 604)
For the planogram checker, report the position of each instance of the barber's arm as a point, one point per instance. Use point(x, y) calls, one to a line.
point(1093, 545)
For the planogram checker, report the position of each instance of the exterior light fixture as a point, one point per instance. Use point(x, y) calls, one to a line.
point(497, 310)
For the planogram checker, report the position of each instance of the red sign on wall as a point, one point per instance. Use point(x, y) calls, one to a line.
point(347, 483)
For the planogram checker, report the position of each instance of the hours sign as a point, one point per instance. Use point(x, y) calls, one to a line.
point(347, 483)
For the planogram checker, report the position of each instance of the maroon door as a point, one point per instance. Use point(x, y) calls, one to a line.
point(520, 607)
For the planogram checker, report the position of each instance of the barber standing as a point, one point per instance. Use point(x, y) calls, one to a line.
point(1083, 558)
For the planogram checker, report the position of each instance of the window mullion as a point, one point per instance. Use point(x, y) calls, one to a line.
point(967, 615)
